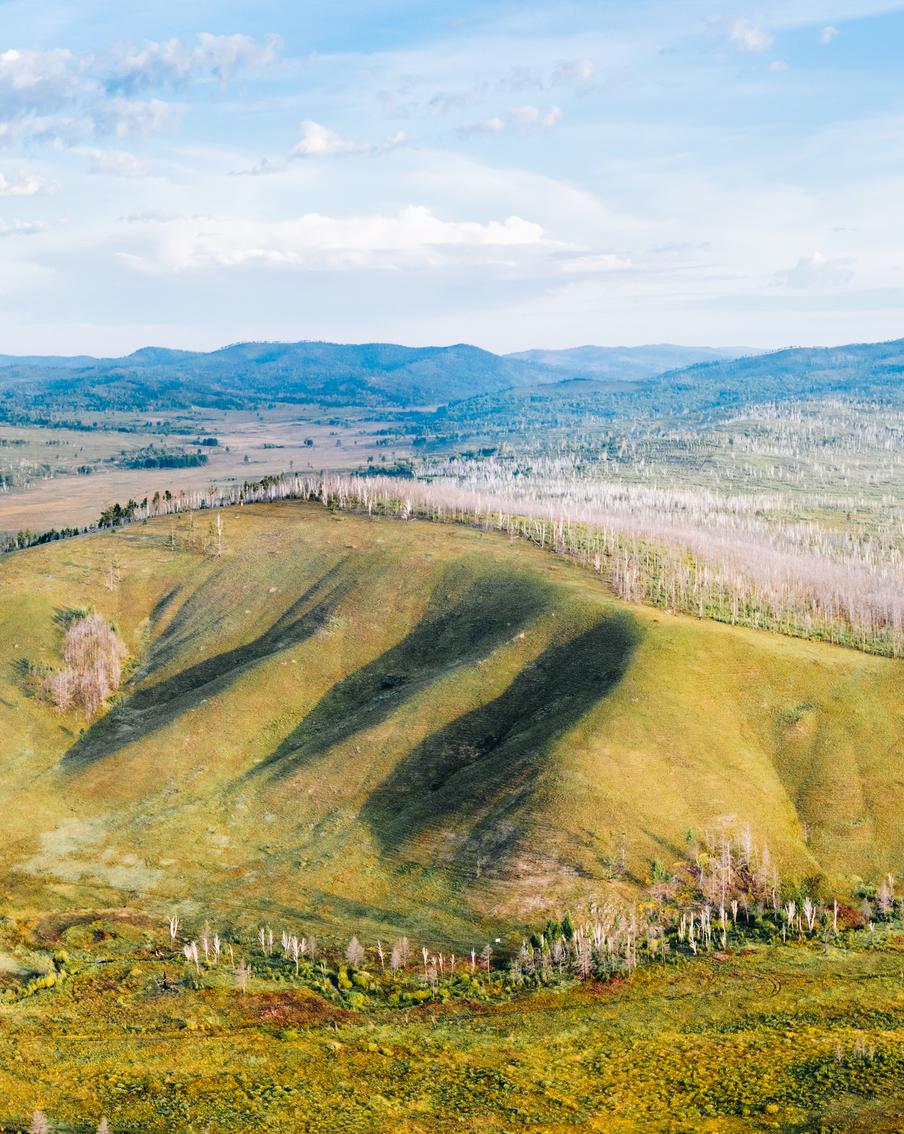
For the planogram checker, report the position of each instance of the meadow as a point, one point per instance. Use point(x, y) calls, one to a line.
point(57, 477)
point(794, 1037)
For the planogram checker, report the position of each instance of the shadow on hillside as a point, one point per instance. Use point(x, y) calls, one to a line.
point(151, 708)
point(469, 615)
point(481, 766)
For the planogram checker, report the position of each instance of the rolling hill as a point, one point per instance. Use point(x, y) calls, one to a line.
point(865, 370)
point(249, 374)
point(700, 393)
point(401, 726)
point(627, 364)
point(617, 382)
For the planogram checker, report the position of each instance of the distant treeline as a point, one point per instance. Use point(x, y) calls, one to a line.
point(153, 458)
point(28, 538)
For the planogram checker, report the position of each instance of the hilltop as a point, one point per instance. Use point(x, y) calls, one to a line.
point(403, 726)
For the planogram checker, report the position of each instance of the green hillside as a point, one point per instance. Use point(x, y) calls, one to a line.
point(403, 726)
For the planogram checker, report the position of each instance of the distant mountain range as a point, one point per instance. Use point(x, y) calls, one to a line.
point(255, 373)
point(324, 373)
point(627, 364)
point(868, 371)
point(661, 378)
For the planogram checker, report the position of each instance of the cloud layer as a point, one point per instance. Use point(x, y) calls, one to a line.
point(517, 175)
point(413, 236)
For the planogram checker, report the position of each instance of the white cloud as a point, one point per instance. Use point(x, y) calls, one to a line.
point(318, 141)
point(491, 125)
point(395, 141)
point(572, 72)
point(526, 117)
point(412, 237)
point(778, 65)
point(116, 163)
point(22, 185)
point(127, 118)
point(175, 62)
point(445, 101)
point(21, 228)
point(749, 37)
point(33, 81)
point(60, 96)
point(817, 271)
point(521, 117)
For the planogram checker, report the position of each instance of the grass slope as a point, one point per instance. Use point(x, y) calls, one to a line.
point(382, 726)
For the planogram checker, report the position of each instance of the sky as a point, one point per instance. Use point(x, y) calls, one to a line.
point(514, 175)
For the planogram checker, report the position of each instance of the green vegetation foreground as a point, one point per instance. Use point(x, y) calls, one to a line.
point(790, 1038)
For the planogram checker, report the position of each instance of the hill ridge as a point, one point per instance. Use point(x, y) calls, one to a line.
point(418, 726)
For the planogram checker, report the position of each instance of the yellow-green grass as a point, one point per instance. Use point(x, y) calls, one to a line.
point(383, 726)
point(778, 1039)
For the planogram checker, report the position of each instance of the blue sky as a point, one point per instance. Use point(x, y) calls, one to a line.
point(513, 175)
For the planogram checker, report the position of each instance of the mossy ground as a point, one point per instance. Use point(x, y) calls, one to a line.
point(790, 1038)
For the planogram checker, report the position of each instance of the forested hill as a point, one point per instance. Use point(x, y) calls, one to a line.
point(627, 364)
point(254, 373)
point(868, 371)
point(874, 370)
point(247, 375)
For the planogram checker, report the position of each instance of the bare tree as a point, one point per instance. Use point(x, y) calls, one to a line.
point(354, 952)
point(191, 955)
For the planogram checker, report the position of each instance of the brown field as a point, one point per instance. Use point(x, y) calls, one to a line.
point(252, 445)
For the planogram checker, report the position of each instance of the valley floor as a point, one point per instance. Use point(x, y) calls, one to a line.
point(799, 1038)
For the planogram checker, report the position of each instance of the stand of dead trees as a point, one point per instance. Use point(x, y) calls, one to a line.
point(692, 551)
point(93, 656)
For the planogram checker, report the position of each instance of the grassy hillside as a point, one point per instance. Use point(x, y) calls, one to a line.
point(382, 725)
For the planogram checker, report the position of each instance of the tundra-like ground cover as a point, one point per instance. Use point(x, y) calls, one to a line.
point(800, 1037)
